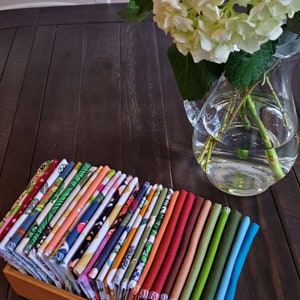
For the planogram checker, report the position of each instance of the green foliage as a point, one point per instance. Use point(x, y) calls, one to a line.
point(242, 153)
point(243, 69)
point(294, 23)
point(136, 10)
point(193, 79)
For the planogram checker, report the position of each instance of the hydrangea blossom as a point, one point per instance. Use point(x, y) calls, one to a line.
point(212, 29)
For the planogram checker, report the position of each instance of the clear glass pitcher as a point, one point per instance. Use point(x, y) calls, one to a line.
point(245, 142)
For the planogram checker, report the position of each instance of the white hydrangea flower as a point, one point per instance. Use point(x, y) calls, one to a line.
point(199, 5)
point(213, 13)
point(292, 6)
point(212, 29)
point(182, 23)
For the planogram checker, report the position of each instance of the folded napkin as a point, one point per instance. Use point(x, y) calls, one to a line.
point(235, 248)
point(240, 260)
point(101, 234)
point(212, 250)
point(162, 251)
point(201, 251)
point(182, 250)
point(221, 255)
point(164, 270)
point(191, 251)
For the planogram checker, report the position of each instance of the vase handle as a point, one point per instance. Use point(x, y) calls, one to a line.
point(192, 110)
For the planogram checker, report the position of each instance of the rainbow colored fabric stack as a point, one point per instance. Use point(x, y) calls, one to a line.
point(101, 234)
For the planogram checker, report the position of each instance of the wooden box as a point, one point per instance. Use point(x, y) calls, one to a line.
point(33, 289)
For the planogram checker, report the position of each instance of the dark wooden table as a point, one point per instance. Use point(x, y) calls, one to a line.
point(76, 82)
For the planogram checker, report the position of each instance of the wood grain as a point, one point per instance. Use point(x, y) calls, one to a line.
point(76, 82)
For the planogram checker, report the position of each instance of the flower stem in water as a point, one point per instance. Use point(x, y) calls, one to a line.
point(270, 152)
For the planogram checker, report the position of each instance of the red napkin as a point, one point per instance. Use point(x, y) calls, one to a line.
point(163, 247)
point(164, 270)
point(183, 246)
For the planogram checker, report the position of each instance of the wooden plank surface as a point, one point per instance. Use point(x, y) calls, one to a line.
point(78, 83)
point(58, 122)
point(100, 72)
point(141, 100)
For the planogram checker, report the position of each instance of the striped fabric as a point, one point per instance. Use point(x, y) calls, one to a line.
point(119, 238)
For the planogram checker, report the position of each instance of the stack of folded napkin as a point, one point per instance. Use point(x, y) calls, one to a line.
point(101, 234)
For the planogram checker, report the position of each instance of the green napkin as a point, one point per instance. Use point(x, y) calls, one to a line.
point(221, 255)
point(212, 250)
point(201, 251)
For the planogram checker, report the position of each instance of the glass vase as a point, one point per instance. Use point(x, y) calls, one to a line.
point(246, 140)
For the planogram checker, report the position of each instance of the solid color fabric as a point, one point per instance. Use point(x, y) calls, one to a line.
point(201, 251)
point(162, 251)
point(240, 260)
point(235, 248)
point(164, 270)
point(188, 260)
point(221, 255)
point(184, 243)
point(212, 250)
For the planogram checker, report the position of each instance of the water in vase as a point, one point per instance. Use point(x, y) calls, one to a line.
point(238, 163)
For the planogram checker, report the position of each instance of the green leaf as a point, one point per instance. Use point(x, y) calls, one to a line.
point(193, 79)
point(242, 153)
point(243, 69)
point(294, 23)
point(136, 10)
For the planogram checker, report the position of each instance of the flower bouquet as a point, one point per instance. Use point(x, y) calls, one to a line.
point(229, 56)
